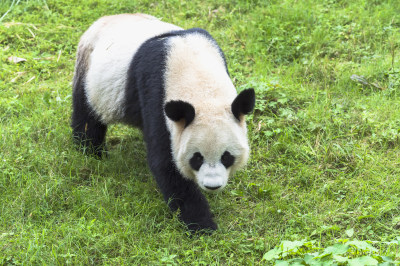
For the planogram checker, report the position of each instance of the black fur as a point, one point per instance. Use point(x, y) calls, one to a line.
point(243, 103)
point(177, 110)
point(227, 159)
point(196, 161)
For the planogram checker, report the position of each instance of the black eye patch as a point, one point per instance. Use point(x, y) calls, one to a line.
point(227, 159)
point(196, 161)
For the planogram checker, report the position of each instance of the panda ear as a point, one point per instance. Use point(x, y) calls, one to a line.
point(243, 103)
point(177, 110)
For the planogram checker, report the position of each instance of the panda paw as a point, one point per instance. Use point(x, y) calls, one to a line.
point(99, 152)
point(203, 226)
point(204, 229)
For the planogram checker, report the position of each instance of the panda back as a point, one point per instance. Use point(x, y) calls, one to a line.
point(196, 71)
point(112, 43)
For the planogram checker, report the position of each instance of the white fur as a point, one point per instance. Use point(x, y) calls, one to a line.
point(212, 175)
point(196, 74)
point(115, 40)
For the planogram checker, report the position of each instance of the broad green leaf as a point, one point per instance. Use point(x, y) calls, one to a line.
point(272, 254)
point(281, 263)
point(362, 245)
point(308, 258)
point(350, 232)
point(292, 246)
point(339, 258)
point(337, 249)
point(364, 260)
point(334, 250)
point(387, 259)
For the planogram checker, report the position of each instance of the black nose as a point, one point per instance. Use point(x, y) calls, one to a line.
point(213, 188)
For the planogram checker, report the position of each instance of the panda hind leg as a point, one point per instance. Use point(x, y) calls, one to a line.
point(88, 131)
point(89, 134)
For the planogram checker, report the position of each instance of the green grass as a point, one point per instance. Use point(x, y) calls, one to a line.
point(325, 149)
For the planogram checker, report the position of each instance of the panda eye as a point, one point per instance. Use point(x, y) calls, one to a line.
point(196, 161)
point(227, 159)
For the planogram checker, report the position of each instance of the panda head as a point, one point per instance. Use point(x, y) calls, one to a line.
point(209, 146)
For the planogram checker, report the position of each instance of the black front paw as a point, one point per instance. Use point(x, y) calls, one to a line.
point(206, 228)
point(203, 225)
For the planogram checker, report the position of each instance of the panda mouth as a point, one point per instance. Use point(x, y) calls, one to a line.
point(213, 184)
point(212, 188)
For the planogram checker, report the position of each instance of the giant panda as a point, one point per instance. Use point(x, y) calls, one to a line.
point(174, 85)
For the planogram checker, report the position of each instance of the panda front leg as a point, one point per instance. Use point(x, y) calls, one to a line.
point(88, 131)
point(194, 209)
point(183, 194)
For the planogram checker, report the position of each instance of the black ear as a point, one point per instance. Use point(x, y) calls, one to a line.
point(244, 103)
point(177, 110)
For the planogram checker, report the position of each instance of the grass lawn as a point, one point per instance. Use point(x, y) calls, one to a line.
point(324, 172)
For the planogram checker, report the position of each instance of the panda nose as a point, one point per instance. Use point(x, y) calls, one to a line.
point(213, 188)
